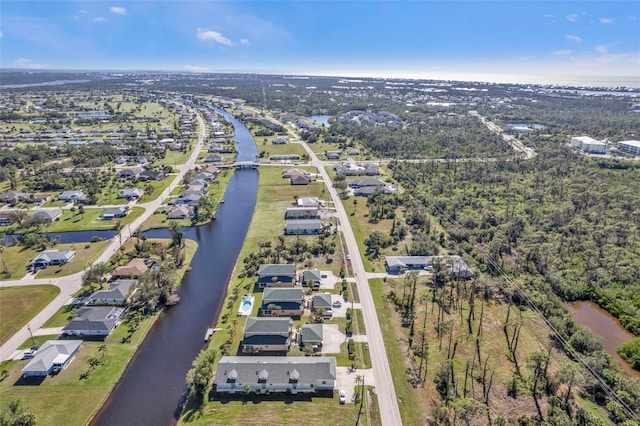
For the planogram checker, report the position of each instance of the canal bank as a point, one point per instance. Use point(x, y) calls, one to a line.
point(153, 385)
point(606, 326)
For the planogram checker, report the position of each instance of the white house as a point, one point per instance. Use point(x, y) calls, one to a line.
point(53, 356)
point(630, 147)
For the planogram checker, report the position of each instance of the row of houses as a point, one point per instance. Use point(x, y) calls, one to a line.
point(454, 264)
point(353, 169)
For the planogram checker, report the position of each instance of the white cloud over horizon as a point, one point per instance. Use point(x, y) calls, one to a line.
point(210, 35)
point(99, 19)
point(562, 52)
point(572, 37)
point(572, 17)
point(244, 41)
point(196, 68)
point(606, 20)
point(118, 10)
point(28, 63)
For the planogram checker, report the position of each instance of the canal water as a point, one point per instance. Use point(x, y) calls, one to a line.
point(606, 326)
point(153, 385)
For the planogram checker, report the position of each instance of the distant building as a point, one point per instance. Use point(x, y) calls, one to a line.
point(400, 264)
point(589, 145)
point(630, 147)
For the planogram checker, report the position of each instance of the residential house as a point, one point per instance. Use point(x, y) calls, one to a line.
point(276, 275)
point(52, 357)
point(205, 176)
point(196, 189)
point(120, 161)
point(284, 157)
point(281, 140)
point(267, 334)
point(46, 215)
point(294, 172)
point(133, 269)
point(333, 155)
point(214, 158)
point(303, 227)
point(72, 196)
point(350, 169)
point(311, 278)
point(7, 218)
point(267, 374)
point(38, 198)
point(199, 182)
point(283, 302)
point(322, 301)
point(365, 191)
point(311, 334)
point(52, 257)
point(13, 197)
point(302, 213)
point(131, 194)
point(309, 202)
point(186, 199)
point(181, 212)
point(128, 173)
point(117, 293)
point(109, 214)
point(94, 321)
point(300, 180)
point(361, 183)
point(400, 264)
point(151, 175)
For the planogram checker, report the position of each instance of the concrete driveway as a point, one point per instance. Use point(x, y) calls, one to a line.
point(345, 379)
point(332, 339)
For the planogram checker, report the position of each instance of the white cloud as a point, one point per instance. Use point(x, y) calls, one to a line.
point(524, 58)
point(606, 20)
point(244, 41)
point(99, 19)
point(573, 17)
point(573, 38)
point(602, 49)
point(27, 63)
point(84, 12)
point(196, 68)
point(1, 34)
point(632, 18)
point(562, 52)
point(118, 10)
point(209, 35)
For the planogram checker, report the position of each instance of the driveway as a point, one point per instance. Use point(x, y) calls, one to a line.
point(345, 379)
point(332, 339)
point(329, 282)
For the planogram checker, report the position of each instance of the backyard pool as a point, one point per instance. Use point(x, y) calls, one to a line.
point(246, 305)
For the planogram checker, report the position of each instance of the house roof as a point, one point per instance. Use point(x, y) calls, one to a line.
point(276, 269)
point(312, 333)
point(366, 182)
point(295, 224)
point(454, 263)
point(311, 275)
point(52, 352)
point(127, 192)
point(322, 300)
point(259, 325)
point(72, 193)
point(308, 202)
point(49, 255)
point(119, 289)
point(180, 211)
point(266, 339)
point(46, 214)
point(270, 295)
point(129, 171)
point(115, 211)
point(94, 319)
point(246, 370)
point(135, 267)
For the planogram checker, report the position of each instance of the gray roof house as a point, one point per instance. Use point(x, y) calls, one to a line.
point(267, 334)
point(108, 214)
point(309, 202)
point(72, 196)
point(46, 215)
point(264, 374)
point(129, 173)
point(117, 292)
point(181, 212)
point(312, 335)
point(53, 355)
point(300, 180)
point(130, 193)
point(322, 301)
point(94, 321)
point(366, 182)
point(456, 266)
point(301, 213)
point(311, 278)
point(151, 175)
point(52, 257)
point(276, 275)
point(365, 191)
point(303, 227)
point(280, 302)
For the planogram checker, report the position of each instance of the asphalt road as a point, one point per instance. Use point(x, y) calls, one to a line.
point(385, 391)
point(70, 284)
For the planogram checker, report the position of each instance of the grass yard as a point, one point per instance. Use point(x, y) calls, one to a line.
point(62, 317)
point(72, 221)
point(19, 304)
point(289, 148)
point(173, 158)
point(86, 253)
point(16, 260)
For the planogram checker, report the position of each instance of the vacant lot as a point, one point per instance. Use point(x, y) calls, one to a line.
point(19, 304)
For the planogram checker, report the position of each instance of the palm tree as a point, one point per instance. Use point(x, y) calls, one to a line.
point(102, 350)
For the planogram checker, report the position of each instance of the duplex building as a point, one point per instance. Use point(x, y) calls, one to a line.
point(303, 227)
point(267, 335)
point(275, 375)
point(281, 302)
point(276, 275)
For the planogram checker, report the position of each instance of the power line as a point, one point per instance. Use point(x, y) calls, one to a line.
point(567, 347)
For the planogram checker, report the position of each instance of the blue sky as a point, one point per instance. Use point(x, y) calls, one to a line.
point(370, 38)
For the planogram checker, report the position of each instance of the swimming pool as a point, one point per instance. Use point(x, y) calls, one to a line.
point(246, 305)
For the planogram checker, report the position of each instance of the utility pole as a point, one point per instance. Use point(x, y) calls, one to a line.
point(33, 341)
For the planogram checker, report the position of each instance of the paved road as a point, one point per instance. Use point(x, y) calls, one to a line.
point(388, 404)
point(70, 284)
point(527, 153)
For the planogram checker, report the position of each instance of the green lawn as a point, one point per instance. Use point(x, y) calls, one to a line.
point(173, 158)
point(19, 304)
point(16, 260)
point(86, 254)
point(289, 148)
point(62, 317)
point(72, 221)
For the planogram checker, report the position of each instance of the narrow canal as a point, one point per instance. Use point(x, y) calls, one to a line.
point(152, 386)
point(605, 325)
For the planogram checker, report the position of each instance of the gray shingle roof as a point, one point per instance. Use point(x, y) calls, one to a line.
point(276, 294)
point(312, 333)
point(246, 370)
point(322, 301)
point(259, 325)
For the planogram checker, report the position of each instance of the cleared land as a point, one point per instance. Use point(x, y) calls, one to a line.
point(19, 304)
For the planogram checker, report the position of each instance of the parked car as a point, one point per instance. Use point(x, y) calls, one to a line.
point(348, 257)
point(343, 396)
point(328, 313)
point(30, 353)
point(337, 304)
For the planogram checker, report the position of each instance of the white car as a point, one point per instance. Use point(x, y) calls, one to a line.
point(328, 313)
point(343, 396)
point(337, 304)
point(348, 257)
